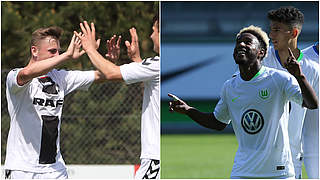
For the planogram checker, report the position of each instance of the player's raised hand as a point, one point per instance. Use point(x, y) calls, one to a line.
point(292, 65)
point(113, 48)
point(88, 37)
point(133, 47)
point(71, 47)
point(178, 105)
point(77, 45)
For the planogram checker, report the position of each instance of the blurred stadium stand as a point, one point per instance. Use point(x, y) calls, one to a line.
point(219, 21)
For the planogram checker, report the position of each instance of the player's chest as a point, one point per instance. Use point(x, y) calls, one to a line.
point(46, 94)
point(258, 95)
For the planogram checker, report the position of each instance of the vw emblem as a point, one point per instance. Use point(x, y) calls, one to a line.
point(252, 121)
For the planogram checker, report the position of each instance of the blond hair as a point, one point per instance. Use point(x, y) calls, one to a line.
point(260, 35)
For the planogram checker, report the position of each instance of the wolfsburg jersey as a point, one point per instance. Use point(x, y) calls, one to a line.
point(310, 129)
point(35, 111)
point(258, 110)
point(148, 72)
point(297, 114)
point(312, 52)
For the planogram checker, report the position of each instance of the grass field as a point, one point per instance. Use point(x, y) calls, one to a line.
point(198, 156)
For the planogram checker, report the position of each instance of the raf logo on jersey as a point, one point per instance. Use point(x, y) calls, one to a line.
point(252, 121)
point(264, 94)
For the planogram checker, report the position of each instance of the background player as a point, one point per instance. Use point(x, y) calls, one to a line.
point(35, 96)
point(147, 71)
point(285, 27)
point(310, 132)
point(259, 114)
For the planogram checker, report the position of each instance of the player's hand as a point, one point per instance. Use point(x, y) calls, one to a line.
point(178, 105)
point(292, 65)
point(88, 37)
point(133, 47)
point(113, 48)
point(71, 47)
point(77, 45)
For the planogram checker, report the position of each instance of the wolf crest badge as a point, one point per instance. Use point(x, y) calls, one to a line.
point(264, 94)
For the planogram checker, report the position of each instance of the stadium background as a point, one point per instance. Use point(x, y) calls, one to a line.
point(197, 41)
point(99, 126)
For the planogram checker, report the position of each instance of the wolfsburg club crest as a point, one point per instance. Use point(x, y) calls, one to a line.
point(264, 94)
point(252, 121)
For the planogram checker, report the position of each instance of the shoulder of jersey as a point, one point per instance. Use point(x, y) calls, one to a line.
point(155, 58)
point(152, 61)
point(309, 62)
point(277, 73)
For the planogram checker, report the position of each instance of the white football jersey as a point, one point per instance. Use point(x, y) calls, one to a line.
point(258, 110)
point(148, 72)
point(35, 111)
point(312, 52)
point(297, 114)
point(310, 131)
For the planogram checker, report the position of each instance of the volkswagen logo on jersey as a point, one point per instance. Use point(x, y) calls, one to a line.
point(252, 121)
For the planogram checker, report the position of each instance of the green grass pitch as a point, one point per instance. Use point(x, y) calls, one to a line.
point(198, 156)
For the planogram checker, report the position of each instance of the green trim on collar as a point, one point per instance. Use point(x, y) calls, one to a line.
point(300, 56)
point(262, 69)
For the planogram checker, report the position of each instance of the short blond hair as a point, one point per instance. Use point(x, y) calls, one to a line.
point(260, 34)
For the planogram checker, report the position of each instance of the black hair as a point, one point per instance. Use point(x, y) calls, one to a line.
point(288, 15)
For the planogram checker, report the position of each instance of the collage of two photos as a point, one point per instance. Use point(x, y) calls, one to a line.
point(159, 90)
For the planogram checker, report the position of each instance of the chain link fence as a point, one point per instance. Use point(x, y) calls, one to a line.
point(99, 126)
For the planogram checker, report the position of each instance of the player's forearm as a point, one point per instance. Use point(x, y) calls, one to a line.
point(205, 119)
point(310, 100)
point(39, 68)
point(107, 68)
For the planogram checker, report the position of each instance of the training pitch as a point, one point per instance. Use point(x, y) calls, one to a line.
point(198, 156)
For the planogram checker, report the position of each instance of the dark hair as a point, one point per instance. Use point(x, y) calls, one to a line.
point(289, 15)
point(42, 33)
point(155, 20)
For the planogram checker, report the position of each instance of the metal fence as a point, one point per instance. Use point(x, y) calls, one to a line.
point(99, 126)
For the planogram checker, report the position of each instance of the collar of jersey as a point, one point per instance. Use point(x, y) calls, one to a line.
point(315, 48)
point(262, 69)
point(299, 58)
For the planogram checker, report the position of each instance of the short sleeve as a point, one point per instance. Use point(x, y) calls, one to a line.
point(292, 89)
point(12, 83)
point(143, 71)
point(221, 112)
point(72, 80)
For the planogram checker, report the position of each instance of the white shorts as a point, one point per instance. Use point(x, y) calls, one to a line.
point(149, 169)
point(16, 174)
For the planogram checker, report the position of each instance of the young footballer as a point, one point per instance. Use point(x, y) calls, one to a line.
point(256, 102)
point(146, 71)
point(285, 27)
point(35, 96)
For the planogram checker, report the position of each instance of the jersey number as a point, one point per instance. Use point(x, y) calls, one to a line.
point(48, 149)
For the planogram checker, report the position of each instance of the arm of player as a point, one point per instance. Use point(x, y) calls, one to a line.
point(133, 47)
point(107, 68)
point(207, 120)
point(310, 100)
point(42, 67)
